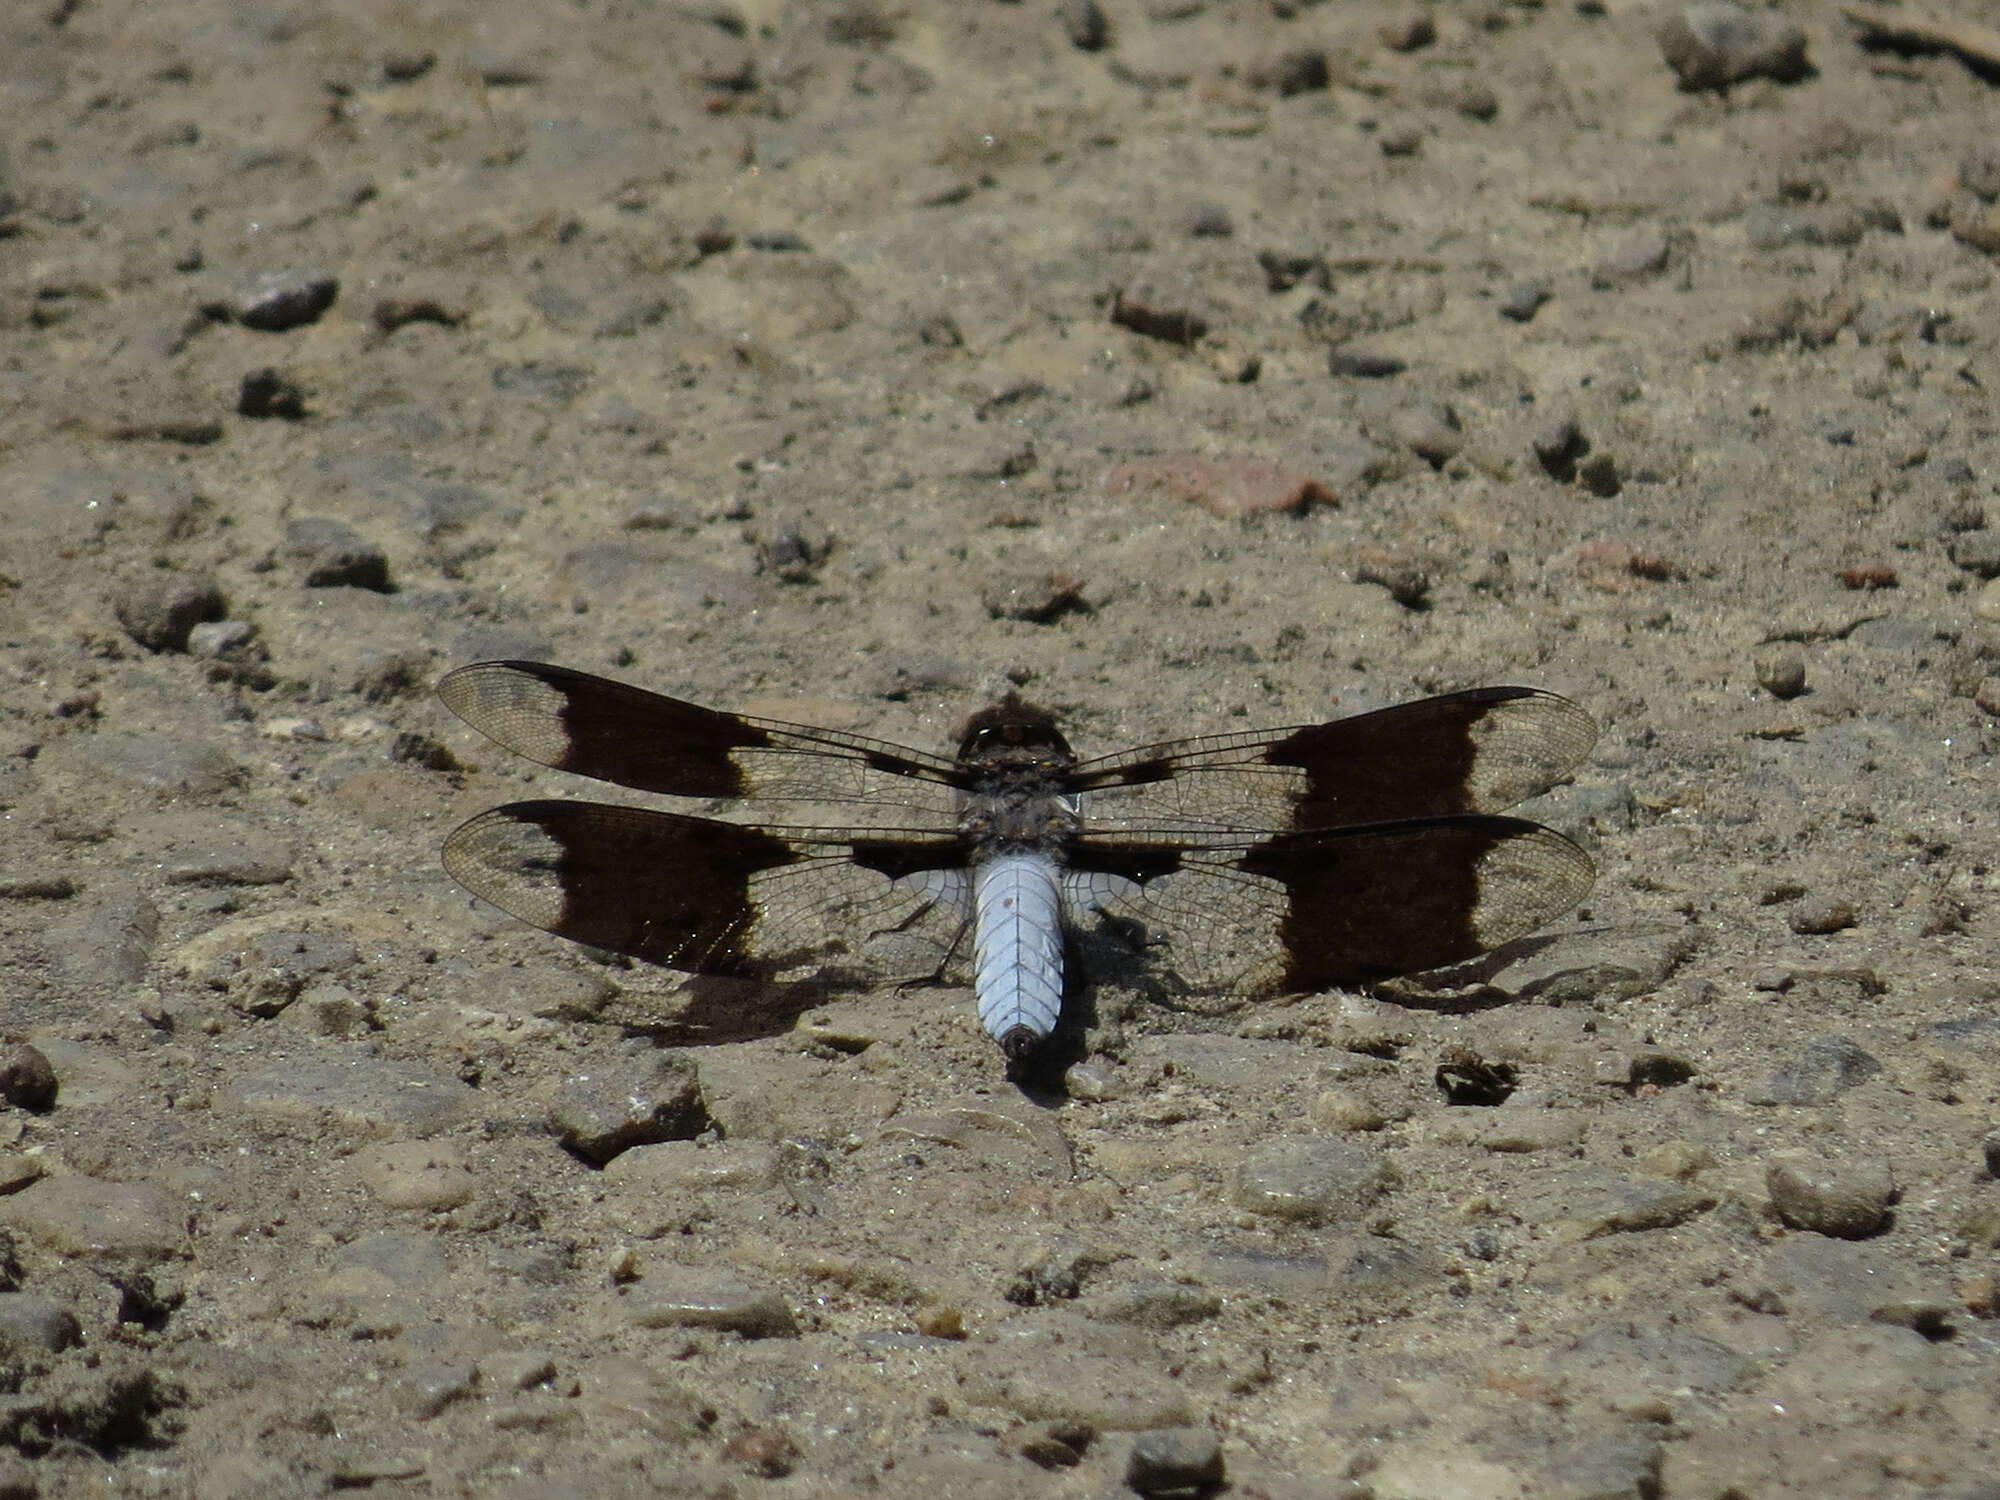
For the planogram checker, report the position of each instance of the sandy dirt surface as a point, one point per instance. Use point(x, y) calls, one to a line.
point(777, 355)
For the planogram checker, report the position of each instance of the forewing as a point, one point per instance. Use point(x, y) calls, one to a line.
point(1472, 752)
point(1330, 908)
point(575, 721)
point(704, 896)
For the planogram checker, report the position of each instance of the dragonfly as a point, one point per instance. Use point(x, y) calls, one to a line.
point(1249, 864)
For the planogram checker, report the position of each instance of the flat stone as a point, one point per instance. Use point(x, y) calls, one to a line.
point(426, 1176)
point(629, 1100)
point(30, 1324)
point(1156, 1304)
point(1826, 1069)
point(361, 1095)
point(1313, 1182)
point(1175, 1461)
point(77, 1215)
point(110, 941)
point(179, 767)
point(1043, 1381)
point(1588, 1204)
point(1844, 1200)
point(663, 1300)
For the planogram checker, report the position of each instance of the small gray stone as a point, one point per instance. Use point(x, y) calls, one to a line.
point(110, 942)
point(1710, 46)
point(278, 300)
point(1175, 1461)
point(1990, 1149)
point(221, 640)
point(1312, 1181)
point(1781, 673)
point(1977, 551)
point(423, 1390)
point(727, 1305)
point(194, 770)
point(361, 1095)
point(269, 392)
point(1638, 258)
point(36, 1325)
point(1558, 446)
point(1084, 23)
point(1979, 170)
point(628, 1101)
point(161, 612)
point(1523, 300)
point(1846, 1201)
point(83, 1216)
point(358, 565)
point(28, 1080)
point(1819, 915)
point(1828, 1067)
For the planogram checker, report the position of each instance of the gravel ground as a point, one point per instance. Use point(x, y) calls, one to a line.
point(1193, 364)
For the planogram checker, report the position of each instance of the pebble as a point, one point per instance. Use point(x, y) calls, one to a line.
point(391, 313)
point(1640, 257)
point(1986, 696)
point(354, 1094)
point(222, 640)
point(1209, 221)
point(1229, 486)
point(628, 1101)
point(1054, 1445)
point(1312, 1182)
point(670, 1170)
point(1299, 70)
point(1429, 429)
point(1048, 1379)
point(1819, 915)
point(1040, 598)
point(1589, 1203)
point(228, 856)
point(1523, 300)
point(77, 1215)
point(1598, 473)
point(1360, 364)
point(1408, 33)
point(1710, 46)
point(1986, 603)
point(1977, 551)
point(1558, 446)
point(660, 1302)
point(1347, 1111)
point(1406, 578)
point(1989, 1149)
point(111, 941)
point(1147, 308)
point(1400, 140)
point(268, 392)
point(1843, 1200)
point(30, 1324)
point(277, 300)
point(192, 769)
point(1157, 1304)
point(1829, 1066)
point(159, 613)
point(1175, 1461)
point(424, 1176)
point(1772, 226)
point(336, 556)
point(28, 1080)
point(1782, 674)
point(425, 1389)
point(1083, 22)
